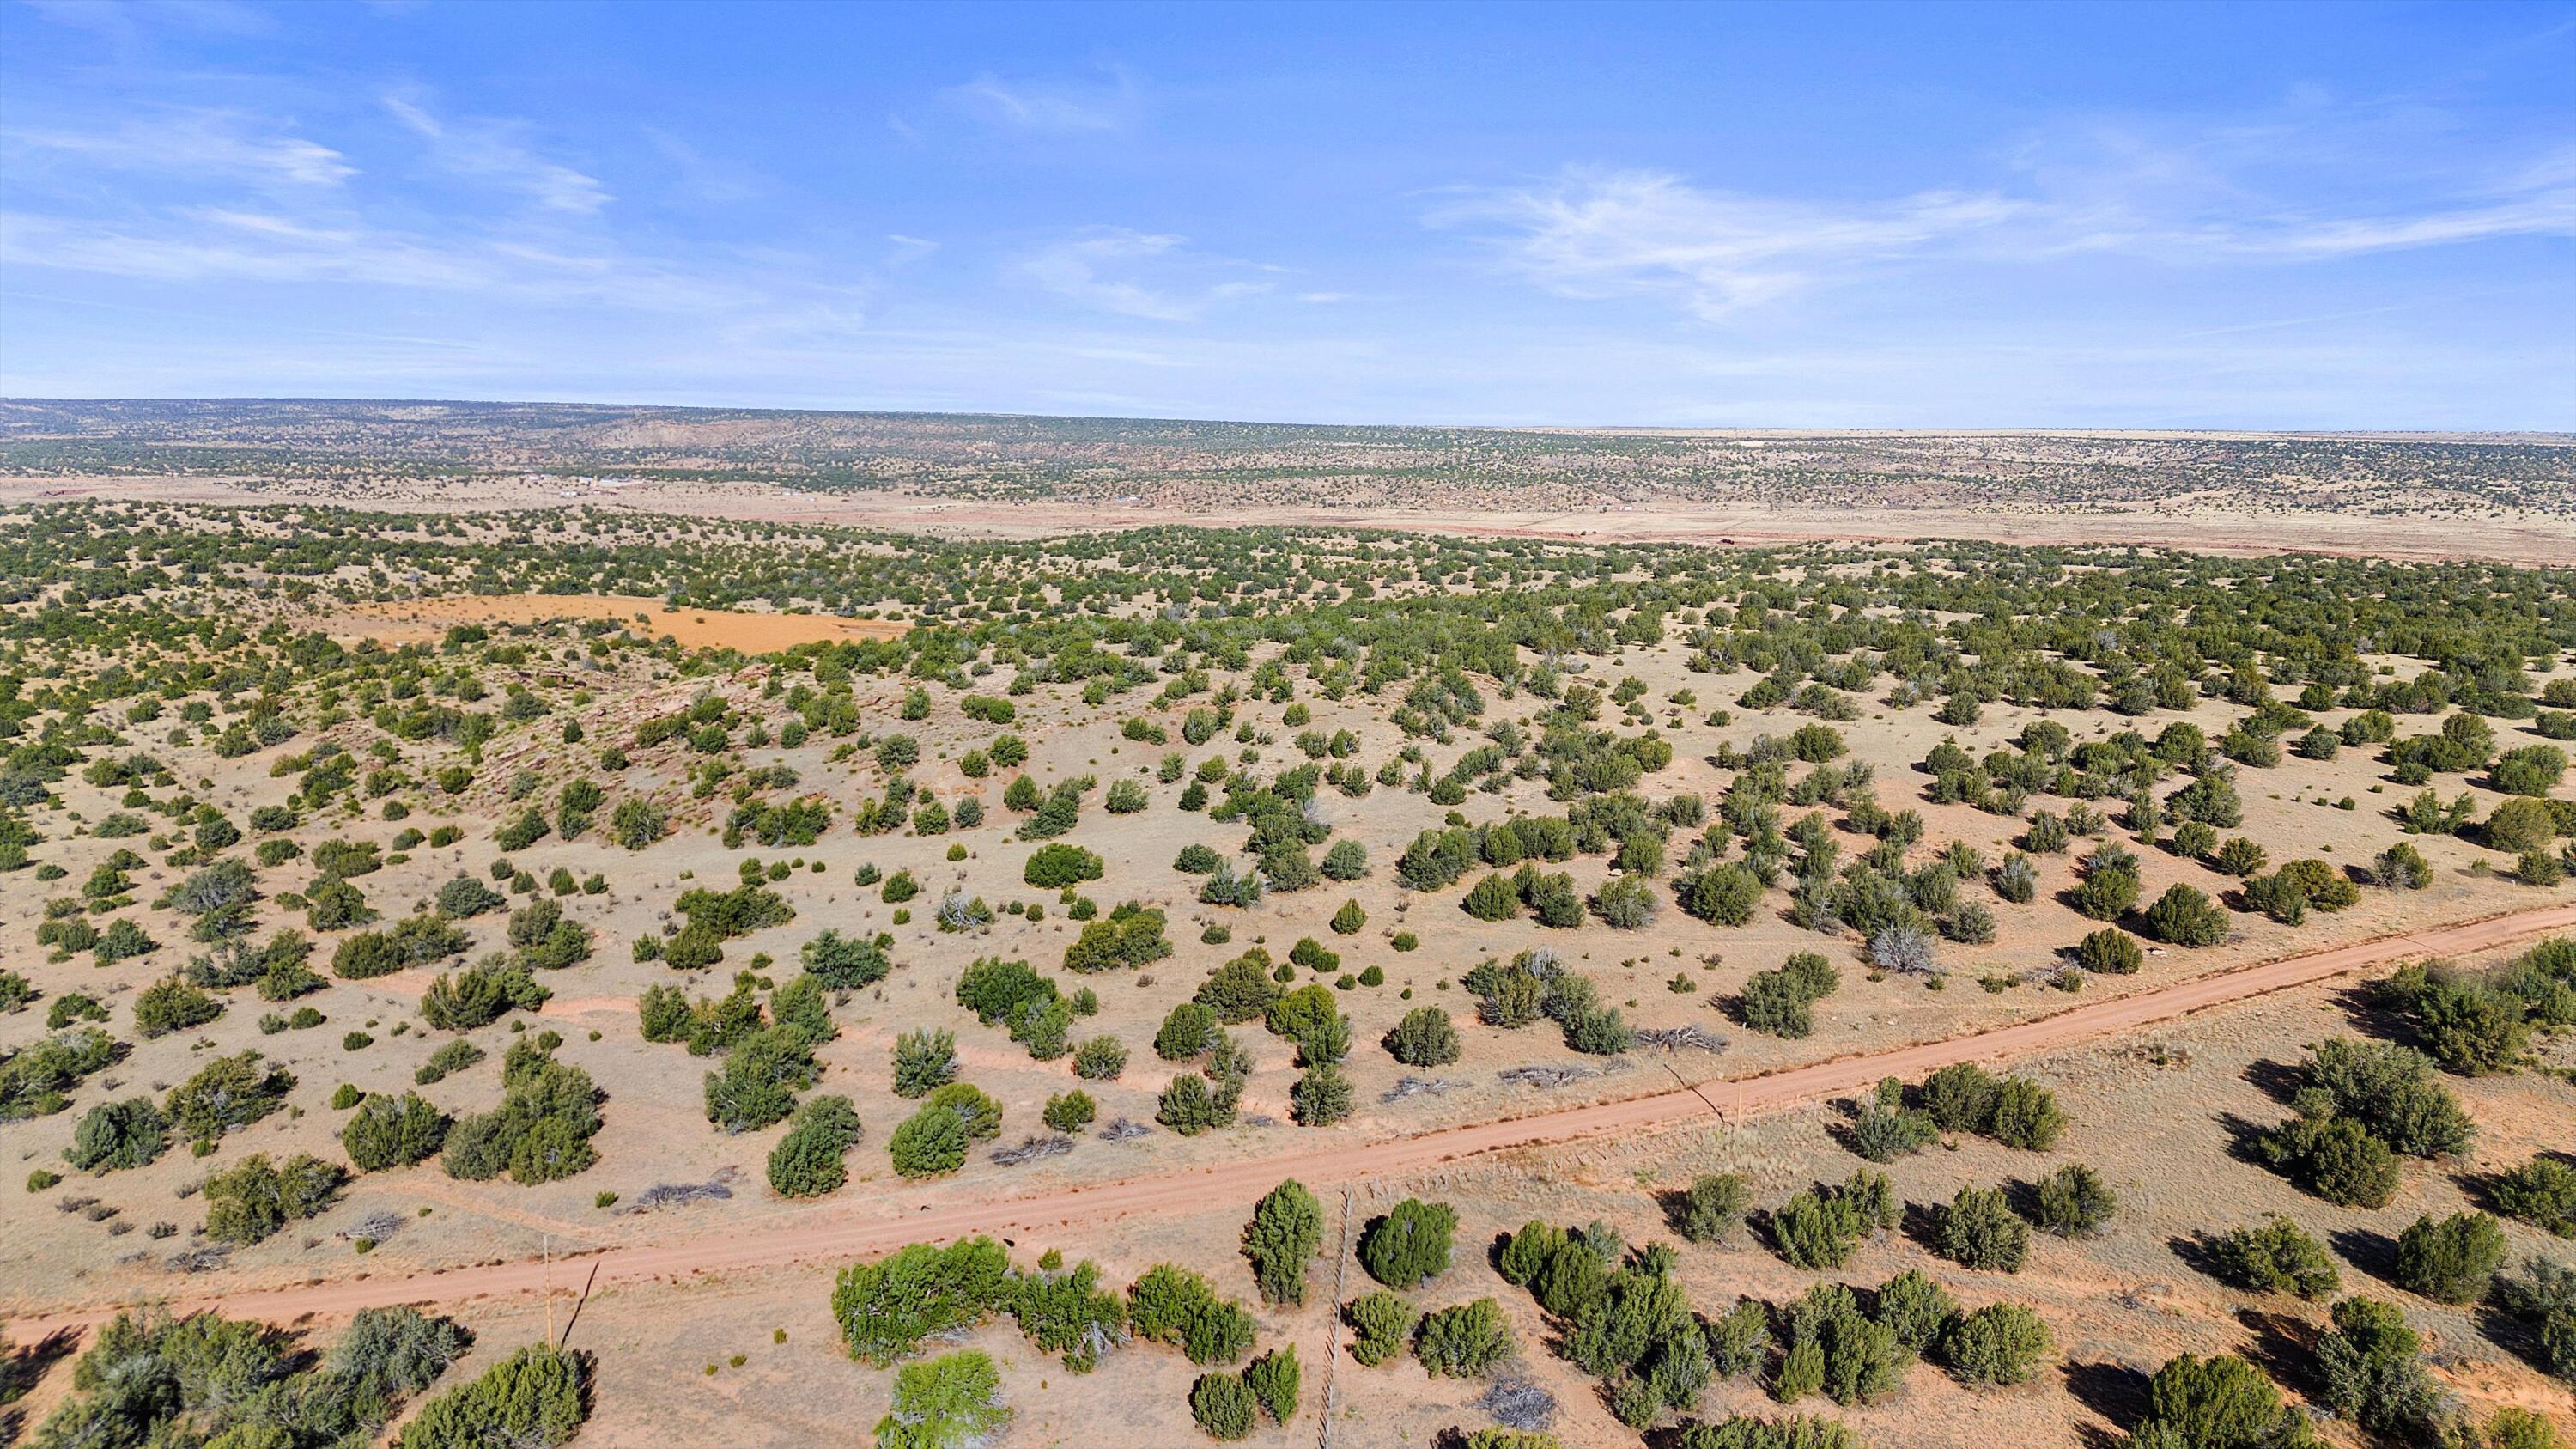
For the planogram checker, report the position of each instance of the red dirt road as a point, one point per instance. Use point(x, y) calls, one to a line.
point(830, 1235)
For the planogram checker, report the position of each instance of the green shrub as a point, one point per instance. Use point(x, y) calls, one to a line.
point(889, 1308)
point(1176, 1306)
point(454, 1057)
point(541, 1132)
point(1381, 1324)
point(845, 962)
point(1053, 867)
point(1424, 1038)
point(2542, 1300)
point(2278, 1257)
point(1464, 1341)
point(2451, 1261)
point(761, 1075)
point(1799, 1431)
point(1712, 1208)
point(1069, 1111)
point(2074, 1202)
point(2025, 1115)
point(2473, 1025)
point(1131, 935)
point(949, 1402)
point(1239, 990)
point(1914, 1308)
point(172, 1005)
point(933, 1141)
point(2219, 1402)
point(1274, 1379)
point(2541, 1192)
point(1410, 1245)
point(2336, 1158)
point(2183, 916)
point(1527, 1253)
point(2391, 1091)
point(1494, 898)
point(388, 1132)
point(481, 994)
point(227, 1092)
point(1780, 1002)
point(2514, 1428)
point(1322, 1096)
point(2001, 1343)
point(1099, 1059)
point(1820, 1227)
point(1977, 1229)
point(257, 1197)
point(2370, 1371)
point(1223, 1406)
point(1960, 1098)
point(924, 1061)
point(1885, 1130)
point(535, 1398)
point(1851, 1358)
point(1283, 1237)
point(807, 1162)
point(112, 1135)
point(1190, 1105)
point(2110, 951)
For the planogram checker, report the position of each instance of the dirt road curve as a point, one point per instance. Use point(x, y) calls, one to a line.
point(828, 1236)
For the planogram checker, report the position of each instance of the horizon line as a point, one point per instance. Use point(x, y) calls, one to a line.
point(2556, 435)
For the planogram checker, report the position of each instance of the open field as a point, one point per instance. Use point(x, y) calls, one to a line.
point(1530, 874)
point(887, 1225)
point(2427, 496)
point(423, 620)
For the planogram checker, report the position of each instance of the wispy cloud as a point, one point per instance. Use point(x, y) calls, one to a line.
point(903, 251)
point(1113, 104)
point(2551, 213)
point(1612, 233)
point(189, 143)
point(2217, 192)
point(212, 244)
point(491, 151)
point(703, 178)
point(1615, 233)
point(125, 20)
point(1136, 274)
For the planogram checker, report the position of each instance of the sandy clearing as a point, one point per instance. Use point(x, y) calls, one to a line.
point(2186, 523)
point(421, 620)
point(2526, 539)
point(837, 1238)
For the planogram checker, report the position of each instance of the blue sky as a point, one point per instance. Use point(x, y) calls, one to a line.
point(2264, 216)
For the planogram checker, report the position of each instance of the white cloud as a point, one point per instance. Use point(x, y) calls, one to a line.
point(1601, 234)
point(2549, 213)
point(490, 151)
point(903, 251)
point(701, 178)
point(1135, 274)
point(127, 20)
point(236, 245)
point(1613, 233)
point(190, 143)
point(1049, 106)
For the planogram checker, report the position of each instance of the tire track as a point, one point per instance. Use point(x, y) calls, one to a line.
point(822, 1237)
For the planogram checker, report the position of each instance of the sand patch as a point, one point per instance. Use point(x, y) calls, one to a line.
point(416, 621)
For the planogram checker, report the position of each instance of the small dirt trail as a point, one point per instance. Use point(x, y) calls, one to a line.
point(829, 1236)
